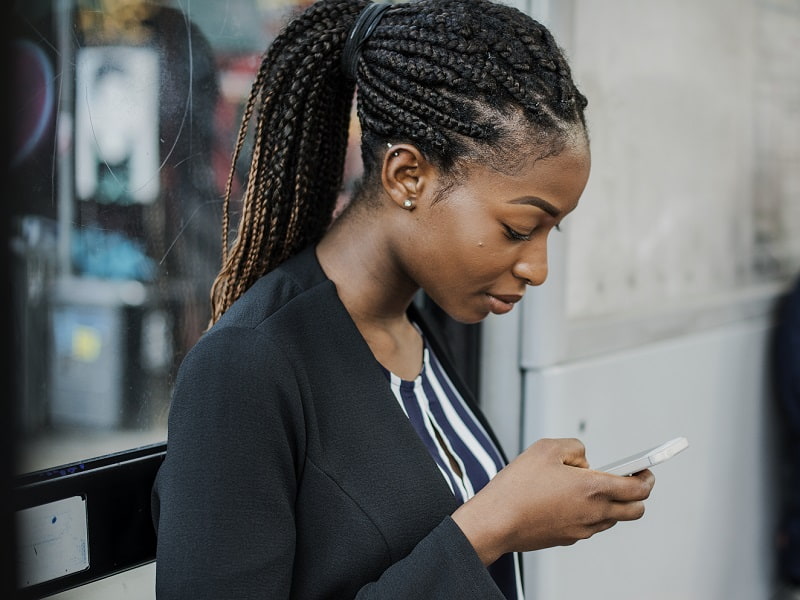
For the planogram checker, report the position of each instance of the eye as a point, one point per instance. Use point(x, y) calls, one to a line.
point(516, 235)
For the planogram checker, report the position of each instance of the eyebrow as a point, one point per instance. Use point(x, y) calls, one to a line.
point(538, 203)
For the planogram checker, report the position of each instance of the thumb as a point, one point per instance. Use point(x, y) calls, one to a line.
point(574, 453)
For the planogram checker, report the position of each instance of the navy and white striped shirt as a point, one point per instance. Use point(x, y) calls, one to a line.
point(440, 415)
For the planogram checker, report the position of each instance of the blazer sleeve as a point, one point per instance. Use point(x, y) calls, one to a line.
point(223, 500)
point(442, 565)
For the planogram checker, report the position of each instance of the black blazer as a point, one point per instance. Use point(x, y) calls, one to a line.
point(291, 470)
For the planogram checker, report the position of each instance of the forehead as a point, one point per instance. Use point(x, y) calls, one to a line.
point(571, 150)
point(572, 163)
point(559, 178)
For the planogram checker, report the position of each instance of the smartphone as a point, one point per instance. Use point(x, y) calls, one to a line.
point(646, 459)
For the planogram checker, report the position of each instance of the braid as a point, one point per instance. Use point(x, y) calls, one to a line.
point(460, 79)
point(301, 105)
point(450, 76)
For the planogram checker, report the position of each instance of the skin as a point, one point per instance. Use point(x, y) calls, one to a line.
point(474, 250)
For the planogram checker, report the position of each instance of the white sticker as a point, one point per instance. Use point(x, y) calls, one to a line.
point(52, 540)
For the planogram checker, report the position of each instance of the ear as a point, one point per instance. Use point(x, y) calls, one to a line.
point(406, 174)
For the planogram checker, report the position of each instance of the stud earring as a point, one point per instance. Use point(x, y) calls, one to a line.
point(408, 204)
point(396, 153)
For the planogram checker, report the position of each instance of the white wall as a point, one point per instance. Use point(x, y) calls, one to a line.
point(695, 129)
point(707, 532)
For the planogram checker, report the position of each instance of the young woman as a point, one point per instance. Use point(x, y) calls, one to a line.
point(320, 443)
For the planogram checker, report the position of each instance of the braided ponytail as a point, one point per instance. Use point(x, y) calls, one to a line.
point(463, 80)
point(302, 108)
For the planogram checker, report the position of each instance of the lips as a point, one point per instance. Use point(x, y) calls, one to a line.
point(501, 304)
point(508, 299)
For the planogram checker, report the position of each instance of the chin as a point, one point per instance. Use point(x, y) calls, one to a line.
point(473, 320)
point(466, 312)
point(467, 319)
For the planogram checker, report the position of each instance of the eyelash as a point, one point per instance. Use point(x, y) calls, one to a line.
point(516, 235)
point(521, 237)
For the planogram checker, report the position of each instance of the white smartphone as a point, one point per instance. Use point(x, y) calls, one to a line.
point(646, 459)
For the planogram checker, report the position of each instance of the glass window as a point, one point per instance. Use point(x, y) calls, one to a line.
point(125, 115)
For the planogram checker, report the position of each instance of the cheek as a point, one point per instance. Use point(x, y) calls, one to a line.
point(478, 262)
point(463, 248)
point(451, 265)
point(485, 256)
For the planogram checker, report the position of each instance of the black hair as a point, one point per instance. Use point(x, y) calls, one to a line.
point(460, 79)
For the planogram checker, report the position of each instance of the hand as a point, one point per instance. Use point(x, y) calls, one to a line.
point(549, 497)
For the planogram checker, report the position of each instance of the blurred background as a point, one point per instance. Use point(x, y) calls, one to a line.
point(662, 315)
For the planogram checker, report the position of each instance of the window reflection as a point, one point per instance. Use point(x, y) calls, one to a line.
point(124, 117)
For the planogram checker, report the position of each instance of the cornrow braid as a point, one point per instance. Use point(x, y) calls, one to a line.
point(460, 79)
point(454, 76)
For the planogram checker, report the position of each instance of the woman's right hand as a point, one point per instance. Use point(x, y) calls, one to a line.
point(549, 497)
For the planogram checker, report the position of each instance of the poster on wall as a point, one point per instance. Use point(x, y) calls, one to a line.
point(116, 124)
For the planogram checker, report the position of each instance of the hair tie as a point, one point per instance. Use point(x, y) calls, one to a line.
point(365, 24)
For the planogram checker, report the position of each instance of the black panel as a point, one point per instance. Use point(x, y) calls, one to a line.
point(117, 492)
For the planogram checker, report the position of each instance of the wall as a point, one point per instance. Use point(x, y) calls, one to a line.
point(657, 313)
point(694, 116)
point(708, 528)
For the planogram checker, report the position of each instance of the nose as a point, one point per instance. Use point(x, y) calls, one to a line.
point(531, 265)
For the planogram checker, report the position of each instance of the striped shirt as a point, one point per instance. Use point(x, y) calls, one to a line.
point(442, 419)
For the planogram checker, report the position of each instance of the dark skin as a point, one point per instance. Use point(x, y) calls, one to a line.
point(474, 252)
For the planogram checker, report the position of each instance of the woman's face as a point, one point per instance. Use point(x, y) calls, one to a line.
point(485, 240)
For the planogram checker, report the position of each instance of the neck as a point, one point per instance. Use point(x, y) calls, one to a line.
point(359, 259)
point(375, 291)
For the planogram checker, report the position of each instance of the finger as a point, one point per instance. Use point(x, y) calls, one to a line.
point(594, 528)
point(607, 524)
point(627, 511)
point(646, 477)
point(574, 453)
point(567, 451)
point(630, 488)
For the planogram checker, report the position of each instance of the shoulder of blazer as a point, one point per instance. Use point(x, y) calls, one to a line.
point(274, 290)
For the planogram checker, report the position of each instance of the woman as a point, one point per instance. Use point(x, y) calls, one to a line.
point(320, 443)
